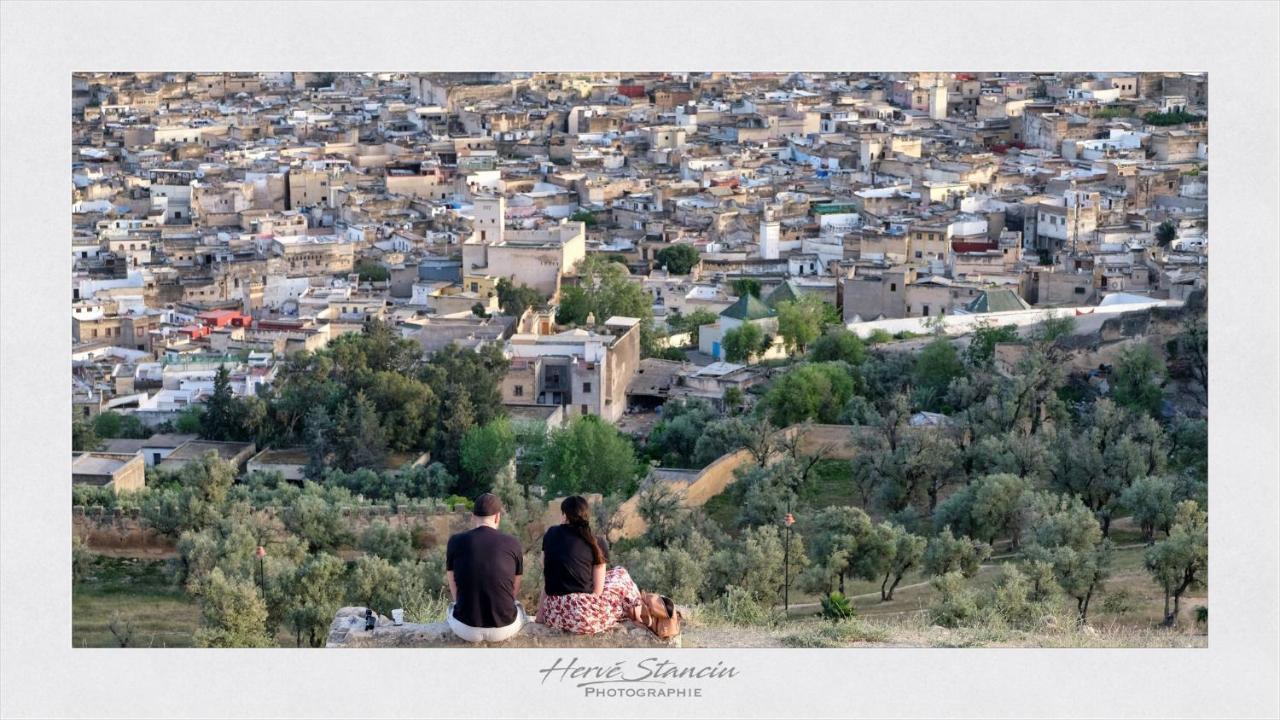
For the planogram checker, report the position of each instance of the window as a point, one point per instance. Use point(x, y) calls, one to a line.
point(926, 311)
point(586, 387)
point(518, 391)
point(893, 287)
point(585, 410)
point(1079, 291)
point(919, 254)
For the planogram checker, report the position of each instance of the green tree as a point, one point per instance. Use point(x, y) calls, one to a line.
point(947, 553)
point(589, 455)
point(937, 365)
point(188, 421)
point(678, 259)
point(743, 343)
point(1166, 233)
point(801, 321)
point(844, 543)
point(233, 614)
point(375, 583)
point(370, 271)
point(317, 591)
point(219, 419)
point(111, 424)
point(674, 439)
point(989, 508)
point(838, 344)
point(680, 323)
point(982, 344)
point(1138, 375)
point(810, 391)
point(745, 286)
point(358, 440)
point(1181, 561)
point(586, 217)
point(907, 553)
point(486, 449)
point(514, 300)
point(1110, 449)
point(390, 543)
point(1150, 501)
point(1067, 537)
point(83, 436)
point(316, 520)
point(659, 506)
point(757, 563)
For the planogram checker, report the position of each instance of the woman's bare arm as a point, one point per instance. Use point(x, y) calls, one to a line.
point(597, 579)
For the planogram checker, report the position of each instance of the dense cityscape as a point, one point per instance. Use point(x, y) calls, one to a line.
point(911, 358)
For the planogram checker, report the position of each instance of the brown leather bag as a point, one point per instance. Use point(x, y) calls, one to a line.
point(658, 613)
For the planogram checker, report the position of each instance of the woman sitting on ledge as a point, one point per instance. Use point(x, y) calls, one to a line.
point(579, 595)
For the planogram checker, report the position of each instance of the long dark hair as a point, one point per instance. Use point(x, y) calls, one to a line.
point(578, 514)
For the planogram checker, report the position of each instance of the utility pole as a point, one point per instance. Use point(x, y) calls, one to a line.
point(789, 520)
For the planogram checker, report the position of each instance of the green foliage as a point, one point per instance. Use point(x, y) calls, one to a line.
point(316, 519)
point(374, 583)
point(838, 344)
point(936, 366)
point(83, 436)
point(674, 439)
point(956, 604)
point(1138, 375)
point(384, 541)
point(1067, 537)
point(1180, 562)
point(802, 321)
point(680, 323)
point(947, 553)
point(233, 613)
point(678, 259)
point(1054, 327)
point(486, 449)
point(370, 271)
point(982, 346)
point(584, 216)
point(989, 508)
point(1166, 233)
point(659, 506)
point(879, 336)
point(757, 564)
point(844, 543)
point(745, 286)
point(810, 391)
point(188, 421)
point(837, 607)
point(514, 300)
point(743, 343)
point(318, 589)
point(738, 607)
point(605, 290)
point(589, 455)
point(1150, 501)
point(906, 553)
point(111, 424)
point(1175, 117)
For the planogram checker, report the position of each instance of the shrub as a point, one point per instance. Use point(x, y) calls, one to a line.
point(879, 336)
point(1202, 615)
point(740, 608)
point(957, 603)
point(837, 634)
point(1117, 602)
point(837, 607)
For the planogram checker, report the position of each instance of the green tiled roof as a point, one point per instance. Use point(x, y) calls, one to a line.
point(781, 293)
point(1000, 300)
point(748, 307)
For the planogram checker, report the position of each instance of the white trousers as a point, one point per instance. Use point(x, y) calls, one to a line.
point(475, 634)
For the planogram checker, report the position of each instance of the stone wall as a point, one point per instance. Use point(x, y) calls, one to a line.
point(347, 631)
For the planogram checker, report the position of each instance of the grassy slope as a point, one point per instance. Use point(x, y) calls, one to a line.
point(161, 615)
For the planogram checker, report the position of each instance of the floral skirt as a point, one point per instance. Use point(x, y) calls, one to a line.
point(587, 614)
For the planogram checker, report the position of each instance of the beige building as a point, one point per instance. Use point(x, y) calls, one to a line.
point(585, 372)
point(118, 471)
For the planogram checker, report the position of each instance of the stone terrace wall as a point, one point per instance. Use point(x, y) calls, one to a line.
point(347, 631)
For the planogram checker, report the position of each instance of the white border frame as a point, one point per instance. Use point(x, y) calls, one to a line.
point(42, 44)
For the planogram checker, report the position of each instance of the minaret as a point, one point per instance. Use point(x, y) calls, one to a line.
point(770, 234)
point(938, 100)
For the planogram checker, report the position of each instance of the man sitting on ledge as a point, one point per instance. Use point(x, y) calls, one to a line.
point(483, 568)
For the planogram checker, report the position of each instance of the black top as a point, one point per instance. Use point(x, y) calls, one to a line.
point(485, 564)
point(568, 561)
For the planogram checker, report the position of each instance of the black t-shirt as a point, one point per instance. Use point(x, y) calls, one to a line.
point(568, 561)
point(485, 563)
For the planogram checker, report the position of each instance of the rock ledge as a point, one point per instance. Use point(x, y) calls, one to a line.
point(347, 631)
